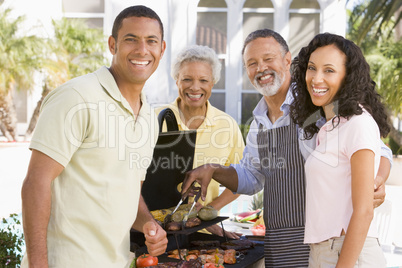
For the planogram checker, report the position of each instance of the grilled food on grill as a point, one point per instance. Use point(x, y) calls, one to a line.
point(160, 214)
point(207, 213)
point(176, 219)
point(238, 244)
point(173, 226)
point(218, 256)
point(178, 216)
point(196, 263)
point(205, 243)
point(192, 222)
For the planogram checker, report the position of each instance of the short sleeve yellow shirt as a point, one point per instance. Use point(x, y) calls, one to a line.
point(219, 141)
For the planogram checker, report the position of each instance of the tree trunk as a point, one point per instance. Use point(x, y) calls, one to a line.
point(8, 116)
point(35, 115)
point(5, 132)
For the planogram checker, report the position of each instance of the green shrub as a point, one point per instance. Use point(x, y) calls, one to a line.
point(393, 145)
point(396, 149)
point(11, 242)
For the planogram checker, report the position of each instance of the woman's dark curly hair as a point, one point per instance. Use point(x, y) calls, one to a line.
point(357, 88)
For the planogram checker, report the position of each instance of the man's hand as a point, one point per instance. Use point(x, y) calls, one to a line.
point(379, 191)
point(203, 175)
point(155, 238)
point(379, 181)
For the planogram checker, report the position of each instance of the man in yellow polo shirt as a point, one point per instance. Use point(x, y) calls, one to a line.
point(82, 191)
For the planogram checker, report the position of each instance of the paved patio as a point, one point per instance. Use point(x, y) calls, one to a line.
point(14, 159)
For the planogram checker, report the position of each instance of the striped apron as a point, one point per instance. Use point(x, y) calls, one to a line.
point(284, 197)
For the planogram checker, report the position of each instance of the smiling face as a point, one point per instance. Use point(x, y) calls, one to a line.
point(137, 50)
point(266, 67)
point(195, 82)
point(325, 74)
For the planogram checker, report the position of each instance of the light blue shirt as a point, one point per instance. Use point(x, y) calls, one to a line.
point(249, 171)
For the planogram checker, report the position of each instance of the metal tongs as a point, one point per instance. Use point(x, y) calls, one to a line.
point(168, 218)
point(185, 218)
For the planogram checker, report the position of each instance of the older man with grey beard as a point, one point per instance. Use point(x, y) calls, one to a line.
point(274, 156)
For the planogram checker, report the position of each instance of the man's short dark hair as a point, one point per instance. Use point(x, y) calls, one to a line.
point(265, 33)
point(135, 11)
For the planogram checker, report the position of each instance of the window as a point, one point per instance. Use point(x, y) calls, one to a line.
point(211, 32)
point(88, 6)
point(298, 22)
point(304, 21)
point(92, 11)
point(257, 14)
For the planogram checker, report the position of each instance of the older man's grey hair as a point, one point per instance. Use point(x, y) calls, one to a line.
point(265, 33)
point(198, 54)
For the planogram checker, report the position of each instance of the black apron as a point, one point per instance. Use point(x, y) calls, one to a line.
point(284, 197)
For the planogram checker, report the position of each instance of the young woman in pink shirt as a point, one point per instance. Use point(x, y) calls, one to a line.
point(332, 81)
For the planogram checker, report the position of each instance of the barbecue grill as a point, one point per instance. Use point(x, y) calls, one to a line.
point(161, 182)
point(182, 239)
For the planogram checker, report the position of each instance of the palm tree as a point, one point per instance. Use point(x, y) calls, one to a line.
point(75, 50)
point(19, 58)
point(372, 26)
point(386, 64)
point(372, 16)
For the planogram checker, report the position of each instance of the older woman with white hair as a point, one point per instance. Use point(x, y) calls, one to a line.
point(219, 140)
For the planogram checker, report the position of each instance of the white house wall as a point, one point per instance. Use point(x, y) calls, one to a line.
point(333, 16)
point(180, 21)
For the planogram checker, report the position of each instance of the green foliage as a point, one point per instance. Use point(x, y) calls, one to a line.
point(83, 47)
point(75, 50)
point(395, 148)
point(386, 69)
point(11, 242)
point(133, 263)
point(20, 55)
point(258, 201)
point(371, 18)
point(372, 27)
